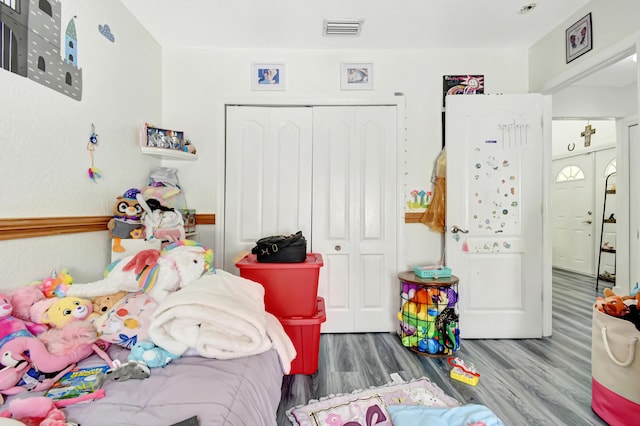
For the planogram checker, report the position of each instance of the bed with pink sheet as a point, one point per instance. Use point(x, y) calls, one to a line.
point(233, 358)
point(241, 391)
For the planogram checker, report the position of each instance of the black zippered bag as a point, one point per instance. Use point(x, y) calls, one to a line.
point(281, 249)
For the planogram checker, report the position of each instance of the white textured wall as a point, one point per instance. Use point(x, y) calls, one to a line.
point(44, 134)
point(612, 21)
point(197, 83)
point(596, 102)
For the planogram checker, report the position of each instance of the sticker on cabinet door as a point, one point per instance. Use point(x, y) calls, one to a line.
point(494, 246)
point(494, 205)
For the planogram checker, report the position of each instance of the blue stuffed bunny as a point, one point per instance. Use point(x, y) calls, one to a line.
point(154, 356)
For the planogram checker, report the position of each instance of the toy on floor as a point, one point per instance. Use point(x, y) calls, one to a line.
point(178, 265)
point(463, 372)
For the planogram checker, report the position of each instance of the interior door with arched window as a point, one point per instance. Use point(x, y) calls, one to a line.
point(573, 214)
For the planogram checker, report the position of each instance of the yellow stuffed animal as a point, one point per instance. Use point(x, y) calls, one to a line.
point(60, 311)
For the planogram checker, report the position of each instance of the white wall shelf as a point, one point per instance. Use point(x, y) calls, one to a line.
point(163, 152)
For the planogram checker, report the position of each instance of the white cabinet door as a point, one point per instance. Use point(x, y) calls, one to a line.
point(354, 214)
point(495, 161)
point(268, 176)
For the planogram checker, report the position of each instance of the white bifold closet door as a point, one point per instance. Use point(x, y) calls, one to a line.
point(354, 220)
point(339, 188)
point(268, 176)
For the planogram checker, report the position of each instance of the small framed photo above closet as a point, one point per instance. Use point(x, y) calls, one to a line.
point(268, 77)
point(579, 38)
point(356, 76)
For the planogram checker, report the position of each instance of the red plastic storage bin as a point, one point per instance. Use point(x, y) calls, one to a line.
point(305, 335)
point(290, 289)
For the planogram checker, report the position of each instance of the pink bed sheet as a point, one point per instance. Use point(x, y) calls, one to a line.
point(243, 391)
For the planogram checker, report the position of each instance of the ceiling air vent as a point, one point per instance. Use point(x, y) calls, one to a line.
point(343, 27)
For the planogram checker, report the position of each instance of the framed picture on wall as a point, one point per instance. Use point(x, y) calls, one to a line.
point(579, 38)
point(356, 76)
point(163, 138)
point(268, 77)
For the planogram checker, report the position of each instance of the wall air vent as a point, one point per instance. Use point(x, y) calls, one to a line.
point(342, 27)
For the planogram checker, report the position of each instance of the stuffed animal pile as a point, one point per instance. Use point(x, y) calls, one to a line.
point(41, 342)
point(43, 335)
point(624, 307)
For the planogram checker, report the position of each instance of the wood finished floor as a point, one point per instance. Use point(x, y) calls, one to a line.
point(525, 382)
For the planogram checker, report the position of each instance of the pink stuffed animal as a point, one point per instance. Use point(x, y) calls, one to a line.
point(35, 411)
point(52, 351)
point(22, 300)
point(10, 376)
point(10, 326)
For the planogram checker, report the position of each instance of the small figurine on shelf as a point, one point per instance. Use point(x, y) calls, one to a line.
point(189, 147)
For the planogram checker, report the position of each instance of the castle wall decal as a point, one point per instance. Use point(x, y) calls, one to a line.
point(30, 45)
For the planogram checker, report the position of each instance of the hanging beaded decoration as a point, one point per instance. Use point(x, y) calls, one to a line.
point(94, 173)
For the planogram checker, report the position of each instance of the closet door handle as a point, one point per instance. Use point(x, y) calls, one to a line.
point(588, 222)
point(337, 248)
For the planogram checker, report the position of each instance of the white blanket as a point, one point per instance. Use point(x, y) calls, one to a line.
point(219, 316)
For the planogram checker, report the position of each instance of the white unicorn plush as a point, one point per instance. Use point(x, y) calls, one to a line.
point(158, 273)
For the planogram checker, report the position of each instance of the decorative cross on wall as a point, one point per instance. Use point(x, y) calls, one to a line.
point(588, 131)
